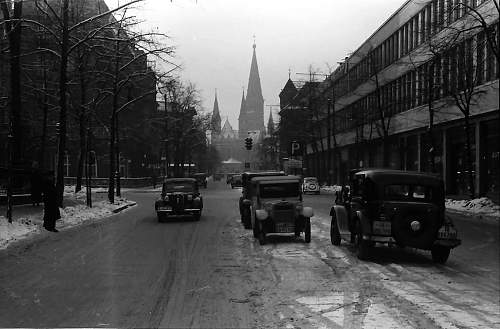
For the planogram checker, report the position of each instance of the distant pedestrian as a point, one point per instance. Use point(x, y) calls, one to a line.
point(36, 187)
point(153, 179)
point(50, 208)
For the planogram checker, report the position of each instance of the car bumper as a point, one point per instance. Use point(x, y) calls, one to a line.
point(450, 243)
point(185, 212)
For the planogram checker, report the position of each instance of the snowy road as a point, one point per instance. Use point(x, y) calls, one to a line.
point(132, 271)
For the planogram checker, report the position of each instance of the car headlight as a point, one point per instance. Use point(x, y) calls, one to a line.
point(261, 214)
point(166, 198)
point(307, 212)
point(189, 197)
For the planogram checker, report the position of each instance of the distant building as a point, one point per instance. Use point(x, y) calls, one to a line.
point(231, 143)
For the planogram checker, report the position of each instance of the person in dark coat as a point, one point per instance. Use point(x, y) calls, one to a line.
point(50, 208)
point(36, 188)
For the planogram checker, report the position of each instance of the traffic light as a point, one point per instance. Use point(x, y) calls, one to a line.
point(248, 143)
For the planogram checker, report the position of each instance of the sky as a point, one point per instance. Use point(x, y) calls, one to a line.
point(214, 38)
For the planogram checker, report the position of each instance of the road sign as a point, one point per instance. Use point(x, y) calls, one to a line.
point(296, 148)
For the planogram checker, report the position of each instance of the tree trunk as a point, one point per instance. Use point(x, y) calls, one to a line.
point(469, 157)
point(82, 120)
point(62, 103)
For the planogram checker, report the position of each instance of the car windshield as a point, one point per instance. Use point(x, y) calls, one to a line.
point(410, 192)
point(187, 186)
point(282, 190)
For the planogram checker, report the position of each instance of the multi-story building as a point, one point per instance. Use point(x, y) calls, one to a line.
point(421, 93)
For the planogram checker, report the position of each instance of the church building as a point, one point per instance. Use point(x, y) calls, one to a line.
point(229, 142)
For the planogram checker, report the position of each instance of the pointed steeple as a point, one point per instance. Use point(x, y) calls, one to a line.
point(270, 124)
point(216, 121)
point(252, 115)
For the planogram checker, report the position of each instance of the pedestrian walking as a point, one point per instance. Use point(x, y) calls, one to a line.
point(153, 179)
point(50, 208)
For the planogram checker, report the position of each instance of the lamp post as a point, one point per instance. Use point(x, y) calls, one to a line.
point(10, 138)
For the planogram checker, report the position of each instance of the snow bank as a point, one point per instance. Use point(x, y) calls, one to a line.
point(18, 229)
point(26, 225)
point(481, 206)
point(331, 189)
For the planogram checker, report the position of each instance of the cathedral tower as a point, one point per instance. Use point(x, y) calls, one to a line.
point(252, 113)
point(216, 121)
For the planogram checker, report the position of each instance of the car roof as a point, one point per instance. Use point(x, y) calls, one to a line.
point(176, 180)
point(263, 173)
point(272, 179)
point(389, 176)
point(310, 178)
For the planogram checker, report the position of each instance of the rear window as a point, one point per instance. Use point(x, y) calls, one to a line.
point(410, 192)
point(284, 190)
point(179, 187)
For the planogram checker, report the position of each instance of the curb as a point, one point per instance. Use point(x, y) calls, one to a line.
point(117, 210)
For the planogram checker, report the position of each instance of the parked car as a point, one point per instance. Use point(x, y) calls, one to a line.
point(246, 193)
point(236, 181)
point(276, 206)
point(395, 208)
point(310, 185)
point(179, 198)
point(201, 178)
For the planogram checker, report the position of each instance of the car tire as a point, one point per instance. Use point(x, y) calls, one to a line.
point(255, 230)
point(197, 217)
point(160, 218)
point(363, 248)
point(334, 231)
point(440, 254)
point(307, 231)
point(261, 235)
point(246, 219)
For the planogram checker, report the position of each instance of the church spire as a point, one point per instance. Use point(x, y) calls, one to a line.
point(270, 124)
point(216, 121)
point(252, 115)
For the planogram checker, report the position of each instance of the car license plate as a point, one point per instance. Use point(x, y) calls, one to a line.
point(165, 208)
point(447, 233)
point(285, 228)
point(383, 228)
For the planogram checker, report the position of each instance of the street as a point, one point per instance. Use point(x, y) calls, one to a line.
point(131, 271)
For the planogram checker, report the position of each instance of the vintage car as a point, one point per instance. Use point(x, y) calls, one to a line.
point(236, 181)
point(310, 185)
point(179, 198)
point(276, 207)
point(395, 208)
point(201, 178)
point(246, 193)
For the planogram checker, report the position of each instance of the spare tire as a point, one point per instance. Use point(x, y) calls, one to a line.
point(416, 228)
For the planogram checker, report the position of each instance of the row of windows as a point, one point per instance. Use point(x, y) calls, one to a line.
point(430, 20)
point(464, 66)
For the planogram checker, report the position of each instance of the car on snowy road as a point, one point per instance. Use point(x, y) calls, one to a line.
point(310, 185)
point(180, 198)
point(396, 208)
point(276, 207)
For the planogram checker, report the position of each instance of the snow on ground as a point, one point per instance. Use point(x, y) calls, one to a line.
point(481, 206)
point(26, 224)
point(331, 189)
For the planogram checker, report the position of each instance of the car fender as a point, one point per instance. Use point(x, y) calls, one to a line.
point(341, 215)
point(364, 221)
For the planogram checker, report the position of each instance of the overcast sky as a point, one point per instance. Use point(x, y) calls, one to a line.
point(213, 40)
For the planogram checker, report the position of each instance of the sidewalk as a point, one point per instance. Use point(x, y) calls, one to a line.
point(27, 220)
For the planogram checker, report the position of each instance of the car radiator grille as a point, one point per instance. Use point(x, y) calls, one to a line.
point(283, 213)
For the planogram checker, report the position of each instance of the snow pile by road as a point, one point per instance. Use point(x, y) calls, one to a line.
point(481, 206)
point(331, 189)
point(18, 229)
point(25, 225)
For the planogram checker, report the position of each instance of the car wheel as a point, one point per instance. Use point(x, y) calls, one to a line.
point(363, 247)
point(197, 217)
point(255, 230)
point(261, 234)
point(334, 231)
point(307, 231)
point(160, 218)
point(440, 254)
point(247, 221)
